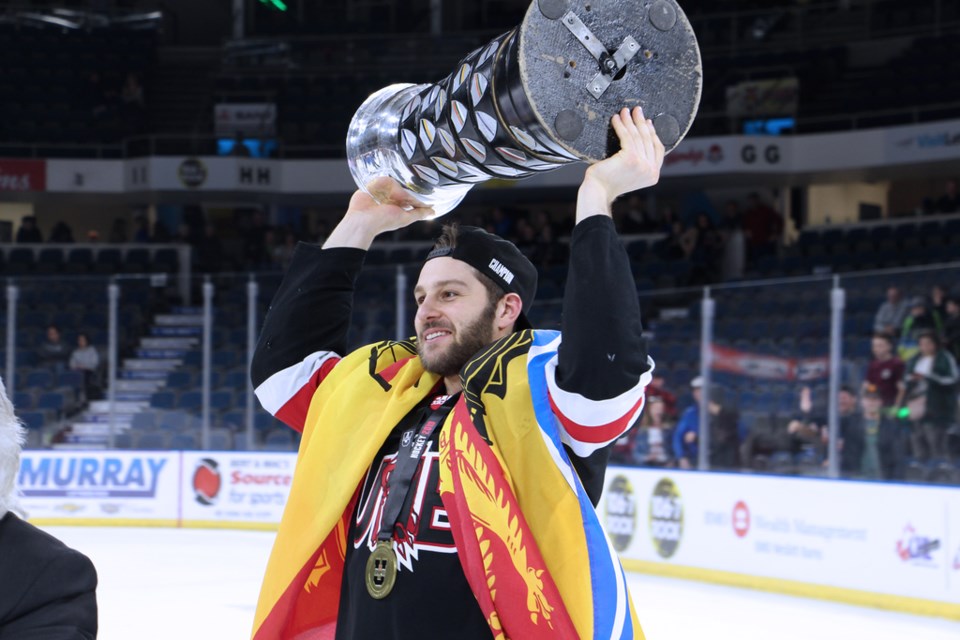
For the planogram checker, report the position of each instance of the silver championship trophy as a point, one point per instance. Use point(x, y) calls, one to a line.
point(533, 99)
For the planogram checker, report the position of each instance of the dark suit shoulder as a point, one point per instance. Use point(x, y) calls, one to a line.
point(47, 590)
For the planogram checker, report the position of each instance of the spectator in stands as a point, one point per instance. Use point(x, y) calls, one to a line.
point(658, 387)
point(734, 247)
point(524, 237)
point(938, 303)
point(283, 252)
point(118, 232)
point(48, 590)
point(95, 96)
point(254, 234)
point(846, 413)
point(210, 250)
point(949, 202)
point(685, 435)
point(890, 314)
point(804, 432)
point(53, 351)
point(500, 223)
point(707, 251)
point(951, 327)
point(131, 94)
point(161, 233)
point(636, 218)
point(132, 103)
point(919, 320)
point(677, 245)
point(871, 444)
point(546, 250)
point(86, 359)
point(762, 227)
point(28, 231)
point(885, 371)
point(802, 437)
point(141, 229)
point(240, 147)
point(666, 220)
point(652, 446)
point(725, 432)
point(931, 396)
point(61, 233)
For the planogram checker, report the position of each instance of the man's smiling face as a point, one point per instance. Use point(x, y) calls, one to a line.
point(455, 315)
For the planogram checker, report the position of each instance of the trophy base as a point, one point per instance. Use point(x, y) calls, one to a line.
point(581, 61)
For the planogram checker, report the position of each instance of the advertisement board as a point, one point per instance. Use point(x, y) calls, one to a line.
point(248, 118)
point(101, 486)
point(245, 490)
point(86, 176)
point(224, 489)
point(838, 537)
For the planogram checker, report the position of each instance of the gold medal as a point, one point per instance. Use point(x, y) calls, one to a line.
point(381, 570)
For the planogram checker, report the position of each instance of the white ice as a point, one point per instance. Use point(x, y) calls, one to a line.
point(202, 584)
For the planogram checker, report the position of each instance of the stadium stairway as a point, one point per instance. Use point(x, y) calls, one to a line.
point(171, 337)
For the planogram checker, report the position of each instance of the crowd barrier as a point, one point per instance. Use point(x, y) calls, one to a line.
point(884, 545)
point(213, 489)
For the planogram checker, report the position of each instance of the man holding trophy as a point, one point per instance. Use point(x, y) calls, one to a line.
point(446, 484)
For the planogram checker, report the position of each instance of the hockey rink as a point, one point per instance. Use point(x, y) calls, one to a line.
point(202, 584)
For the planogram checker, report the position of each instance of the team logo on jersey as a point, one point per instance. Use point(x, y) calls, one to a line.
point(424, 527)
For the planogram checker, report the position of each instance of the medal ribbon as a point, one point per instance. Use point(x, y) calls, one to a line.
point(408, 458)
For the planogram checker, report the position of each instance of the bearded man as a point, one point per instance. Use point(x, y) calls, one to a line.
point(446, 485)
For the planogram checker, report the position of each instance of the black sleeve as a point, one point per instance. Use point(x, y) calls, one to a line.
point(603, 352)
point(310, 311)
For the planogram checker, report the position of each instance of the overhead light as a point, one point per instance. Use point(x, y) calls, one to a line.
point(49, 19)
point(279, 5)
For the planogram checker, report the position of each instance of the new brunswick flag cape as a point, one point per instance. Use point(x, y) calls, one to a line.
point(528, 538)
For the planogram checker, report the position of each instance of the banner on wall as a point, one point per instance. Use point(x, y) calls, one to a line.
point(894, 540)
point(251, 119)
point(109, 485)
point(922, 142)
point(23, 175)
point(768, 367)
point(772, 97)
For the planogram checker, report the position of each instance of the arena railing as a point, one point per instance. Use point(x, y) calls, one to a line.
point(173, 368)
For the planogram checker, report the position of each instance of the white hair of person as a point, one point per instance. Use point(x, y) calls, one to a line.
point(11, 442)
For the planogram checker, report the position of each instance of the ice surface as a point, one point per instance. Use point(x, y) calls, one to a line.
point(202, 584)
